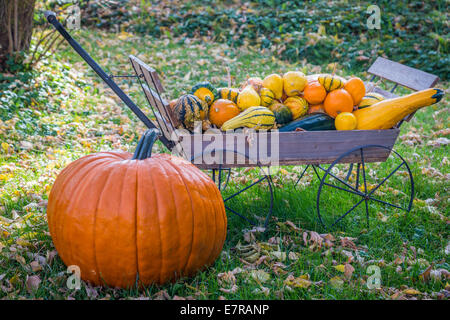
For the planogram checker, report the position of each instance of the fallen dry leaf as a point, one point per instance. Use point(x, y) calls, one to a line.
point(32, 283)
point(226, 278)
point(340, 267)
point(411, 292)
point(35, 266)
point(260, 275)
point(302, 282)
point(425, 276)
point(348, 270)
point(161, 295)
point(233, 289)
point(336, 282)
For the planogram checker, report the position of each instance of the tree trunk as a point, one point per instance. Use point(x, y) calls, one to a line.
point(16, 26)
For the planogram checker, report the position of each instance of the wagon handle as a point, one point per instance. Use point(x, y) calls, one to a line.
point(51, 18)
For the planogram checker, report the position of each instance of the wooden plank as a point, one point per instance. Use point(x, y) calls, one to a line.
point(307, 147)
point(406, 76)
point(163, 113)
point(147, 70)
point(164, 116)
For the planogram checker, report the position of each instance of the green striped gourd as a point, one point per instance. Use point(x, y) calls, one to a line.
point(370, 99)
point(267, 97)
point(330, 82)
point(189, 109)
point(253, 117)
point(228, 94)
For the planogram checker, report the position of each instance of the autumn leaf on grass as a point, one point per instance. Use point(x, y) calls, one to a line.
point(260, 275)
point(293, 256)
point(226, 278)
point(347, 242)
point(5, 146)
point(425, 276)
point(340, 267)
point(35, 266)
point(33, 283)
point(161, 295)
point(302, 282)
point(314, 241)
point(336, 282)
point(233, 289)
point(263, 290)
point(278, 255)
point(346, 269)
point(411, 292)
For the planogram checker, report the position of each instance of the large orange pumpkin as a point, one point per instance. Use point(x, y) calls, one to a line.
point(142, 218)
point(314, 92)
point(338, 101)
point(221, 111)
point(356, 88)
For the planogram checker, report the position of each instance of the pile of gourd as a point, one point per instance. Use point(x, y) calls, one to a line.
point(295, 102)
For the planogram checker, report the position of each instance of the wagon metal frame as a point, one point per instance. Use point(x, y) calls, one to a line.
point(313, 149)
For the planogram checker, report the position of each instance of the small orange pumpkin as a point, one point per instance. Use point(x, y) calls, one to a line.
point(316, 108)
point(125, 219)
point(338, 101)
point(355, 86)
point(314, 93)
point(222, 110)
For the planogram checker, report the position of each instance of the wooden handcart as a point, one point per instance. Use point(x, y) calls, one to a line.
point(341, 160)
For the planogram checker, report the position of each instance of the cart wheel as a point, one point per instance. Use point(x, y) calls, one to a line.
point(251, 209)
point(376, 189)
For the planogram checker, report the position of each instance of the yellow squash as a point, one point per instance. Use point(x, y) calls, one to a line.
point(387, 113)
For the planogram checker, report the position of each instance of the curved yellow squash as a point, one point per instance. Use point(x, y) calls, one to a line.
point(387, 113)
point(254, 117)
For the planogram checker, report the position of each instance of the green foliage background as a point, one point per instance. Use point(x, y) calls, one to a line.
point(415, 33)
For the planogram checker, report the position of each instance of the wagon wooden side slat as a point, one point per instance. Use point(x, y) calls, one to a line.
point(403, 75)
point(294, 148)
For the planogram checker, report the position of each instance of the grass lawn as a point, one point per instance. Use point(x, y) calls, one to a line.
point(76, 114)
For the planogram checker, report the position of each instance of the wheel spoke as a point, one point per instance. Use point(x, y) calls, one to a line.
point(349, 173)
point(387, 203)
point(385, 179)
point(241, 216)
point(351, 209)
point(301, 176)
point(347, 190)
point(357, 176)
point(338, 179)
point(315, 171)
point(247, 187)
point(365, 186)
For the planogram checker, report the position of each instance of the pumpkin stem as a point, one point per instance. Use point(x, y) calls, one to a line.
point(145, 145)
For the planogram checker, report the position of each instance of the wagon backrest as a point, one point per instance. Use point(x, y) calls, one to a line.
point(152, 87)
point(400, 74)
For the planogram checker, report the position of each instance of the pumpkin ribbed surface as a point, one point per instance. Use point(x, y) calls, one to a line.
point(122, 220)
